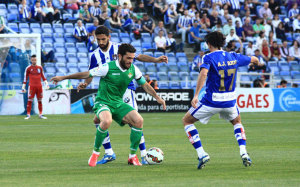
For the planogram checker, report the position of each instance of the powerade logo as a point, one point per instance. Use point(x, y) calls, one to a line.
point(288, 100)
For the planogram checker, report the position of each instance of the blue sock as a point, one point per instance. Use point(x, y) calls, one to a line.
point(142, 146)
point(240, 136)
point(194, 138)
point(107, 146)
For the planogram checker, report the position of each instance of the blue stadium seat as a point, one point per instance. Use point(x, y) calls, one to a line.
point(173, 67)
point(272, 63)
point(67, 17)
point(151, 68)
point(13, 9)
point(83, 67)
point(180, 54)
point(182, 59)
point(170, 54)
point(125, 38)
point(115, 39)
point(152, 75)
point(162, 67)
point(173, 76)
point(15, 77)
point(60, 49)
point(293, 73)
point(49, 76)
point(69, 28)
point(285, 68)
point(275, 70)
point(69, 55)
point(72, 65)
point(47, 37)
point(13, 26)
point(183, 67)
point(158, 54)
point(172, 59)
point(75, 82)
point(136, 43)
point(47, 45)
point(245, 78)
point(35, 25)
point(37, 31)
point(184, 76)
point(73, 70)
point(82, 50)
point(49, 64)
point(59, 38)
point(185, 85)
point(174, 85)
point(80, 44)
point(243, 69)
point(58, 28)
point(146, 37)
point(162, 76)
point(50, 69)
point(295, 67)
point(47, 28)
point(70, 38)
point(14, 67)
point(146, 46)
point(83, 60)
point(163, 85)
point(58, 54)
point(12, 18)
point(2, 7)
point(61, 59)
point(149, 53)
point(284, 73)
point(82, 55)
point(194, 75)
point(61, 67)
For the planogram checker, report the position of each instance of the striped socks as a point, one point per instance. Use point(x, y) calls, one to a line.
point(194, 138)
point(142, 146)
point(239, 133)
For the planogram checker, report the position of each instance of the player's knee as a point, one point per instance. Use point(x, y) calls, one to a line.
point(139, 122)
point(96, 120)
point(106, 122)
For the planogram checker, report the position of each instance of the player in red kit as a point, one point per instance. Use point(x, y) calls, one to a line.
point(35, 74)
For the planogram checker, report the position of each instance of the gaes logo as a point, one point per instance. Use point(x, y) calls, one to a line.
point(288, 100)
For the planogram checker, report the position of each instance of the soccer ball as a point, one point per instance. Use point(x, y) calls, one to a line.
point(154, 156)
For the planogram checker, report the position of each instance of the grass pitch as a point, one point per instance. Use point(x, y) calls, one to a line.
point(55, 152)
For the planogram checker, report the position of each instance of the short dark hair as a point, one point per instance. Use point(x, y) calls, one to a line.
point(126, 47)
point(283, 82)
point(102, 30)
point(33, 56)
point(216, 39)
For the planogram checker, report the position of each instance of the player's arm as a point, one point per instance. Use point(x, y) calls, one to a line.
point(146, 58)
point(80, 75)
point(149, 89)
point(26, 74)
point(93, 64)
point(200, 83)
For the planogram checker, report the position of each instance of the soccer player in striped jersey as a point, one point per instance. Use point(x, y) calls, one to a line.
point(219, 67)
point(107, 51)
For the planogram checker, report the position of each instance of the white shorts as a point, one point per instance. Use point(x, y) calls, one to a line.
point(203, 113)
point(129, 98)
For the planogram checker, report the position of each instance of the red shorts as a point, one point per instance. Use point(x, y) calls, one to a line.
point(36, 90)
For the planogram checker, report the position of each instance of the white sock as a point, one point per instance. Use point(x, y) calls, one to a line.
point(109, 151)
point(243, 150)
point(132, 155)
point(95, 152)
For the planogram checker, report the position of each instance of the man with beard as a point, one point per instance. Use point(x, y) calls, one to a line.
point(108, 51)
point(115, 78)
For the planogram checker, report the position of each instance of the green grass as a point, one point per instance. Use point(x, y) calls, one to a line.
point(55, 152)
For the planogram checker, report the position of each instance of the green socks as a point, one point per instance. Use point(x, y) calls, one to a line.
point(135, 138)
point(100, 136)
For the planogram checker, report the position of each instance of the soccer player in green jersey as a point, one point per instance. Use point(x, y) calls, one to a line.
point(115, 78)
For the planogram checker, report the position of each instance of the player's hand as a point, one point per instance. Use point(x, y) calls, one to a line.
point(194, 102)
point(23, 91)
point(162, 102)
point(161, 59)
point(56, 79)
point(81, 86)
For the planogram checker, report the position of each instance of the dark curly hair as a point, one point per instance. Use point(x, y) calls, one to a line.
point(216, 39)
point(126, 47)
point(102, 30)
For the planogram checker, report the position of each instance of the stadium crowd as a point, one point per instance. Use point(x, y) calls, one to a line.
point(269, 30)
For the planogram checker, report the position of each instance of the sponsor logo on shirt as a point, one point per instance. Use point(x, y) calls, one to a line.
point(115, 73)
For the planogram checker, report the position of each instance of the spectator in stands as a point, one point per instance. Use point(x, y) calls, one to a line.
point(84, 14)
point(271, 38)
point(217, 27)
point(92, 28)
point(147, 24)
point(228, 27)
point(47, 56)
point(80, 32)
point(265, 50)
point(283, 84)
point(104, 20)
point(258, 26)
point(139, 10)
point(276, 21)
point(180, 9)
point(248, 29)
point(115, 22)
point(197, 61)
point(171, 44)
point(247, 15)
point(234, 5)
point(52, 16)
point(250, 49)
point(236, 18)
point(192, 10)
point(205, 21)
point(262, 66)
point(71, 6)
point(284, 51)
point(231, 46)
point(172, 16)
point(160, 8)
point(184, 25)
point(95, 10)
point(104, 8)
point(295, 50)
point(214, 19)
point(136, 28)
point(224, 7)
point(38, 13)
point(275, 52)
point(160, 41)
point(226, 17)
point(154, 84)
point(149, 81)
point(294, 85)
point(128, 4)
point(268, 27)
point(125, 12)
point(296, 24)
point(3, 28)
point(293, 13)
point(25, 13)
point(239, 31)
point(274, 6)
point(59, 4)
point(160, 27)
point(258, 83)
point(232, 36)
point(280, 33)
point(265, 10)
point(195, 34)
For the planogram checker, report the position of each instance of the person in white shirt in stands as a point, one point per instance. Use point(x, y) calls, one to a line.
point(265, 10)
point(51, 14)
point(184, 25)
point(160, 41)
point(232, 36)
point(295, 50)
point(285, 53)
point(236, 17)
point(250, 49)
point(171, 44)
point(296, 24)
point(25, 13)
point(38, 13)
point(80, 32)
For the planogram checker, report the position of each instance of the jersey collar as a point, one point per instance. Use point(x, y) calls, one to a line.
point(118, 65)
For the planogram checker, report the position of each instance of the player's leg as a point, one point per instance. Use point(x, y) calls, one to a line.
point(105, 117)
point(129, 98)
point(31, 93)
point(232, 114)
point(39, 95)
point(203, 114)
point(136, 120)
point(109, 153)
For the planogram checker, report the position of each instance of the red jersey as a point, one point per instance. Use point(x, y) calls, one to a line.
point(35, 73)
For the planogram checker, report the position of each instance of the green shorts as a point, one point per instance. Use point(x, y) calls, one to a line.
point(117, 113)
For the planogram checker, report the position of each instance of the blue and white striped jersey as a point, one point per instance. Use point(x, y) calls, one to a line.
point(25, 13)
point(220, 84)
point(80, 31)
point(100, 57)
point(185, 21)
point(95, 11)
point(235, 4)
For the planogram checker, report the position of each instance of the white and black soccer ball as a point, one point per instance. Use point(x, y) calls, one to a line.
point(154, 156)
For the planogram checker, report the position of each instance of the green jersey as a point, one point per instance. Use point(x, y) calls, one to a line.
point(114, 82)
